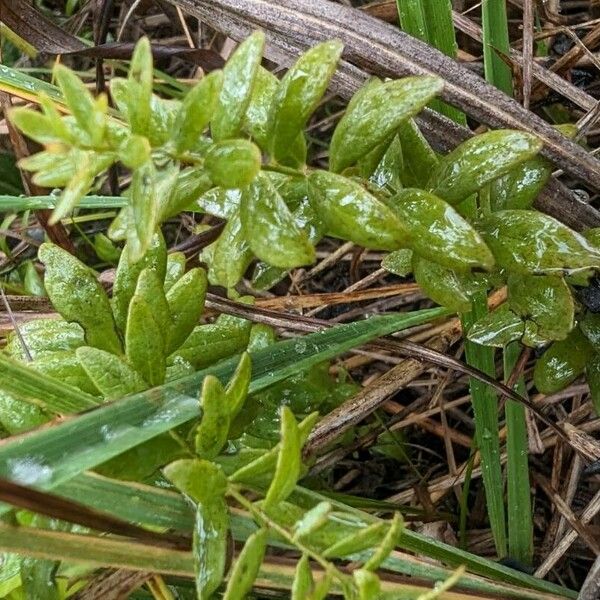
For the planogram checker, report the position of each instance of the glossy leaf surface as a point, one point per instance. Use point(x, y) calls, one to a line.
point(233, 163)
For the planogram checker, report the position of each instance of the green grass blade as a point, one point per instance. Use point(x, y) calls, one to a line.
point(159, 508)
point(431, 22)
point(496, 44)
point(520, 520)
point(485, 409)
point(50, 456)
point(19, 203)
point(46, 392)
point(13, 81)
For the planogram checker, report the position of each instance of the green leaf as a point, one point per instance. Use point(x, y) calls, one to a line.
point(351, 213)
point(231, 254)
point(185, 303)
point(205, 484)
point(439, 233)
point(312, 520)
point(196, 111)
point(303, 580)
point(233, 163)
point(209, 343)
point(357, 541)
point(89, 114)
point(238, 79)
point(418, 158)
point(387, 545)
point(590, 326)
point(110, 374)
point(144, 342)
point(270, 228)
point(374, 113)
point(399, 262)
point(151, 289)
point(368, 584)
point(105, 249)
point(289, 462)
point(221, 203)
point(66, 368)
point(78, 296)
point(299, 94)
point(256, 120)
point(127, 274)
point(44, 336)
point(246, 567)
point(144, 206)
point(34, 125)
point(175, 269)
point(189, 186)
point(545, 300)
point(135, 151)
point(211, 434)
point(449, 288)
point(479, 160)
point(525, 241)
point(562, 363)
point(139, 87)
point(237, 388)
point(497, 328)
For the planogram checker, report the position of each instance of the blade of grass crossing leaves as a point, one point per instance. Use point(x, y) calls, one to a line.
point(485, 409)
point(432, 23)
point(520, 520)
point(496, 44)
point(47, 457)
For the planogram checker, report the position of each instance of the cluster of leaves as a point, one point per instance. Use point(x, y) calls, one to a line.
point(318, 532)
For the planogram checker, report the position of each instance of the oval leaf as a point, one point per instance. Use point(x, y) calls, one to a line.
point(78, 296)
point(497, 328)
point(299, 94)
point(349, 212)
point(270, 228)
point(233, 163)
point(525, 241)
point(238, 80)
point(439, 233)
point(374, 113)
point(246, 567)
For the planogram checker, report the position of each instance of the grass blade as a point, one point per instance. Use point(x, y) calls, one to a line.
point(18, 203)
point(496, 44)
point(49, 456)
point(520, 519)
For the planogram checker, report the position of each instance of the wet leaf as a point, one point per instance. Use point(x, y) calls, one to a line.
point(368, 584)
point(374, 113)
point(497, 328)
point(144, 342)
point(448, 288)
point(175, 269)
point(238, 80)
point(312, 520)
point(44, 336)
point(205, 484)
point(128, 272)
point(399, 262)
point(256, 119)
point(139, 89)
point(221, 203)
point(105, 249)
point(418, 158)
point(151, 289)
point(113, 377)
point(479, 160)
point(287, 470)
point(231, 254)
point(562, 363)
point(245, 570)
point(190, 184)
point(270, 228)
point(233, 163)
point(88, 113)
point(76, 294)
point(524, 241)
point(196, 111)
point(208, 344)
point(32, 282)
point(211, 434)
point(439, 233)
point(298, 95)
point(236, 390)
point(185, 302)
point(351, 213)
point(545, 300)
point(144, 206)
point(590, 326)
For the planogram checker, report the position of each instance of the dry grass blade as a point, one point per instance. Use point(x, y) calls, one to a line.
point(379, 47)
